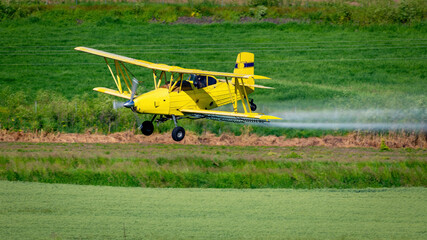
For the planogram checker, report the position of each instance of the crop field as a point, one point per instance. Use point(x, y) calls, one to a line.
point(56, 211)
point(47, 85)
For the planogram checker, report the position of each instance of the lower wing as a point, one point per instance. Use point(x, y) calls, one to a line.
point(112, 92)
point(228, 116)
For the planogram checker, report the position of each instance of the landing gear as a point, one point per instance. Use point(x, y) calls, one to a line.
point(178, 133)
point(253, 105)
point(147, 128)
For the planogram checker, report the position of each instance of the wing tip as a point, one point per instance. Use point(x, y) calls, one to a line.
point(267, 117)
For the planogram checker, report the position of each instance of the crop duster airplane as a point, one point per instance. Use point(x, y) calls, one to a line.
point(189, 93)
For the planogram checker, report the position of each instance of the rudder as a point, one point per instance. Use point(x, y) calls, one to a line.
point(244, 63)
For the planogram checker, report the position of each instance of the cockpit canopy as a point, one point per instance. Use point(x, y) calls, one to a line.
point(202, 81)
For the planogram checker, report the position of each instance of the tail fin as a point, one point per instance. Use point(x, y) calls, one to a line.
point(245, 63)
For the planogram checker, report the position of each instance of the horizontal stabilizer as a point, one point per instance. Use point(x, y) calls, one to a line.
point(252, 85)
point(112, 92)
point(260, 77)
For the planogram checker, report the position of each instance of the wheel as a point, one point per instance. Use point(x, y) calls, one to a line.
point(147, 128)
point(253, 107)
point(178, 134)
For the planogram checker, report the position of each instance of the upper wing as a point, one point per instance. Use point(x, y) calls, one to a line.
point(163, 67)
point(228, 116)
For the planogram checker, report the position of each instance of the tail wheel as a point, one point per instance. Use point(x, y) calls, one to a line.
point(147, 128)
point(253, 105)
point(178, 134)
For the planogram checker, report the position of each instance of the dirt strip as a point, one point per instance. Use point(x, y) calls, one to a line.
point(351, 140)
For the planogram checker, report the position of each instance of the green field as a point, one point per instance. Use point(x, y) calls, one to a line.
point(313, 66)
point(56, 211)
point(183, 166)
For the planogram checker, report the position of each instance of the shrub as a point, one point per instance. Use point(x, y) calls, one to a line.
point(268, 3)
point(383, 146)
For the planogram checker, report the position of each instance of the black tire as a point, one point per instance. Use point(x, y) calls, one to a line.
point(147, 128)
point(178, 134)
point(253, 107)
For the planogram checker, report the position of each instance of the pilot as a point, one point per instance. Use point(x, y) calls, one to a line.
point(199, 81)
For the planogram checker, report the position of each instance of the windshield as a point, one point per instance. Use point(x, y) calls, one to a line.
point(199, 81)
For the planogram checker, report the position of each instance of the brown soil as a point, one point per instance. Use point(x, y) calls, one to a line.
point(351, 140)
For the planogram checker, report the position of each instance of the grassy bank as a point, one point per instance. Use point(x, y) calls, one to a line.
point(197, 172)
point(43, 211)
point(212, 167)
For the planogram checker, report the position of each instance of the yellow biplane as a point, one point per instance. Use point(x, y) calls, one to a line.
point(189, 93)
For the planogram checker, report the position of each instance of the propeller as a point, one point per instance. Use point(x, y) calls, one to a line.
point(117, 104)
point(130, 103)
point(138, 121)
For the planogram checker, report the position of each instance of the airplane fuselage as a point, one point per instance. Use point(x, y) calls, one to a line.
point(162, 101)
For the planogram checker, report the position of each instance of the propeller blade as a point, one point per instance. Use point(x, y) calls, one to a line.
point(117, 105)
point(138, 121)
point(134, 86)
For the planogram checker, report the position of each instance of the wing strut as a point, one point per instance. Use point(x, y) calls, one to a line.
point(155, 77)
point(231, 97)
point(172, 85)
point(112, 74)
point(123, 75)
point(246, 96)
point(116, 63)
point(238, 86)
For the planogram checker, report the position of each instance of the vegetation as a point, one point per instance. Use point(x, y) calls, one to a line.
point(51, 112)
point(361, 12)
point(50, 88)
point(383, 146)
point(55, 211)
point(181, 166)
point(46, 85)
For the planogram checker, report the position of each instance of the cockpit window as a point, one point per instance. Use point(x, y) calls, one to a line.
point(211, 81)
point(200, 81)
point(186, 85)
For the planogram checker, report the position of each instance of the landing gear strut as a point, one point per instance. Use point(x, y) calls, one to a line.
point(253, 105)
point(178, 133)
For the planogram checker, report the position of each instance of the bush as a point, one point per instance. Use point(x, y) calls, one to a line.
point(383, 146)
point(268, 3)
point(259, 12)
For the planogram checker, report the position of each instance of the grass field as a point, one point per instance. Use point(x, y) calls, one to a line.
point(56, 211)
point(327, 65)
point(182, 166)
point(312, 66)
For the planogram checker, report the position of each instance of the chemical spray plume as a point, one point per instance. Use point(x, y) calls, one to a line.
point(370, 119)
